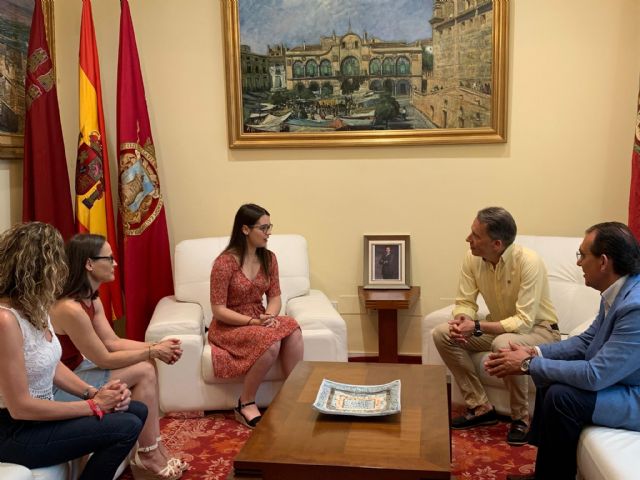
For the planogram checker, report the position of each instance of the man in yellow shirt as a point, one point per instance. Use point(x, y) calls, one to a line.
point(513, 282)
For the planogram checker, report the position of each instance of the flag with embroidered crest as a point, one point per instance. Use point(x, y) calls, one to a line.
point(46, 195)
point(141, 212)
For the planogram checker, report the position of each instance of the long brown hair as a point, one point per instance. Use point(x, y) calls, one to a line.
point(248, 214)
point(81, 248)
point(33, 269)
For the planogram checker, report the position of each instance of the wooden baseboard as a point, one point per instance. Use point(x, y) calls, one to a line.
point(413, 359)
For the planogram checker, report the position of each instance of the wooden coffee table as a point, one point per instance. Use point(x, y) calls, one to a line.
point(295, 442)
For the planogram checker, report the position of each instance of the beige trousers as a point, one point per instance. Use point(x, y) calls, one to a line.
point(458, 359)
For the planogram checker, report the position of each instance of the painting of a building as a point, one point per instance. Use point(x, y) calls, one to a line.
point(430, 68)
point(458, 92)
point(277, 66)
point(255, 70)
point(15, 20)
point(378, 64)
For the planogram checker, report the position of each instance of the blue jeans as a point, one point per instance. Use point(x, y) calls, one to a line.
point(36, 444)
point(90, 373)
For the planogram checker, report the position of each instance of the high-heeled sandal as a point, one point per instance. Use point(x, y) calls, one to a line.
point(175, 461)
point(140, 472)
point(244, 420)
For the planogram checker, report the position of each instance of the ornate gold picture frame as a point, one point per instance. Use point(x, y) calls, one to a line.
point(337, 73)
point(15, 18)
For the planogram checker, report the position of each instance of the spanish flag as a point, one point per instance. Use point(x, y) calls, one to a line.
point(146, 254)
point(94, 208)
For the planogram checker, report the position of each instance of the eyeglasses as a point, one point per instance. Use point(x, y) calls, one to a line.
point(265, 228)
point(580, 256)
point(110, 258)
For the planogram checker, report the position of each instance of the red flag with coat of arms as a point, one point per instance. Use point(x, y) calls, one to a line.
point(145, 241)
point(94, 206)
point(46, 195)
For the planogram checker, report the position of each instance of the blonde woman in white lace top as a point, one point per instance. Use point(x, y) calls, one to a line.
point(35, 430)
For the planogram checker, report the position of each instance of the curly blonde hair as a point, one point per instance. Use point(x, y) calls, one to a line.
point(33, 269)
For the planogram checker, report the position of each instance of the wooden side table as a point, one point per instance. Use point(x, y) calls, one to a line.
point(388, 302)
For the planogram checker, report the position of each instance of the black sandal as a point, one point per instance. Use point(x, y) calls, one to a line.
point(242, 419)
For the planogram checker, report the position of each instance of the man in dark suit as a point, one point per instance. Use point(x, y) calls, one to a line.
point(592, 378)
point(389, 264)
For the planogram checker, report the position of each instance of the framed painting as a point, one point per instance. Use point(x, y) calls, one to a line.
point(336, 73)
point(15, 25)
point(386, 261)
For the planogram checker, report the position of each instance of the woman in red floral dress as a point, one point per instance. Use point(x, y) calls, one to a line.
point(245, 337)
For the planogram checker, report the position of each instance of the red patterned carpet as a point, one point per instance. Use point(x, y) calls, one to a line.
point(483, 454)
point(209, 443)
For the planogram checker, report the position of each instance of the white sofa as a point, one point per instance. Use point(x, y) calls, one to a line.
point(191, 384)
point(603, 453)
point(70, 470)
point(11, 471)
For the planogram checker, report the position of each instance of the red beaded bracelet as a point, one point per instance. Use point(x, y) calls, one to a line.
point(95, 409)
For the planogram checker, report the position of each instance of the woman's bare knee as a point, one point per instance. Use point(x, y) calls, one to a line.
point(274, 349)
point(142, 372)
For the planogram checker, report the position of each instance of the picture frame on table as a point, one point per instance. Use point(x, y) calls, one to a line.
point(340, 73)
point(15, 26)
point(387, 261)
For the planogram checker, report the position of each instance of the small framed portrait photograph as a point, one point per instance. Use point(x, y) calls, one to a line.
point(386, 261)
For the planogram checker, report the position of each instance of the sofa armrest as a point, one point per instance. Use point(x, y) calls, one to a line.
point(430, 355)
point(180, 384)
point(581, 328)
point(12, 471)
point(172, 318)
point(436, 317)
point(315, 312)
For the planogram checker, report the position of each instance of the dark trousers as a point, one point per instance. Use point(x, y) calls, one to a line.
point(560, 414)
point(36, 444)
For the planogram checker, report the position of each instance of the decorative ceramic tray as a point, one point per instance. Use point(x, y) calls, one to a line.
point(360, 400)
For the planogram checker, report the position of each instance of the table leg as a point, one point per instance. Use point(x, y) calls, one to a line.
point(387, 336)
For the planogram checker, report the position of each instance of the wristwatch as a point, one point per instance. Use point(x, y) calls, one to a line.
point(86, 394)
point(477, 331)
point(524, 366)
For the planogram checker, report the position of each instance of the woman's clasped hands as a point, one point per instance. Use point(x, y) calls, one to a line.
point(168, 351)
point(268, 320)
point(114, 396)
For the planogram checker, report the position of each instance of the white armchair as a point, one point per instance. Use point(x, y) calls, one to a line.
point(70, 470)
point(191, 384)
point(575, 304)
point(11, 471)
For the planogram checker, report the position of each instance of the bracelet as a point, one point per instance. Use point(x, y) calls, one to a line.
point(249, 322)
point(97, 411)
point(150, 347)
